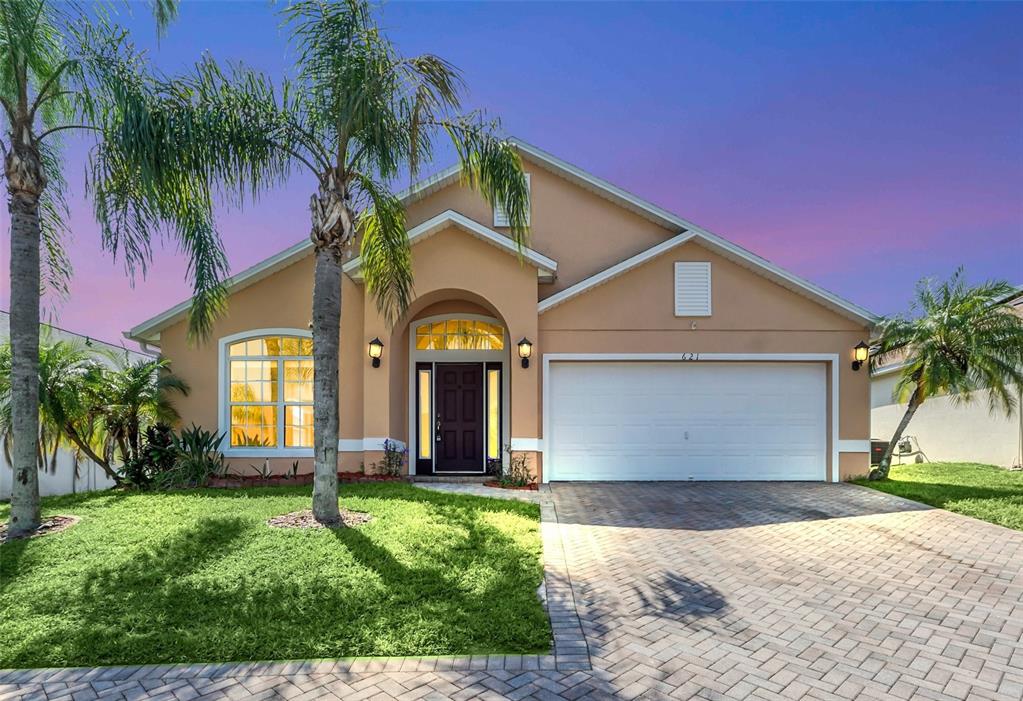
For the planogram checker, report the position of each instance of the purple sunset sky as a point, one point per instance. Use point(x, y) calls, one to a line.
point(860, 146)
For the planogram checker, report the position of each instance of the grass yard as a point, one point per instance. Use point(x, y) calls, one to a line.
point(198, 576)
point(981, 491)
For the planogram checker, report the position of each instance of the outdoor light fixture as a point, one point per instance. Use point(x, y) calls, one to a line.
point(376, 349)
point(525, 350)
point(860, 354)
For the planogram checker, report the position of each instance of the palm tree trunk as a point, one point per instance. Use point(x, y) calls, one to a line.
point(881, 471)
point(326, 324)
point(25, 234)
point(85, 448)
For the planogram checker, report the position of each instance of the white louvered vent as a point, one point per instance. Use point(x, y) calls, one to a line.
point(501, 217)
point(692, 289)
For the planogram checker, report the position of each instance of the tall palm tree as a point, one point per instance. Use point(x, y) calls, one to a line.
point(357, 116)
point(60, 73)
point(958, 339)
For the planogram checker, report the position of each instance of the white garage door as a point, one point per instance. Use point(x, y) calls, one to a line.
point(687, 421)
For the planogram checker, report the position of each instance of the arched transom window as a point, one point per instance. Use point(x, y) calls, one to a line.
point(460, 334)
point(271, 392)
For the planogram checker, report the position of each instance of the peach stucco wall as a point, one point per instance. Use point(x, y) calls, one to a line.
point(457, 273)
point(582, 231)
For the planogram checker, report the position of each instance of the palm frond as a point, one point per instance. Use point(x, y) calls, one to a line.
point(386, 256)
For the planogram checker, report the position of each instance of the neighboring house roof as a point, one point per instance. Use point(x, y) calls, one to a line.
point(546, 267)
point(149, 330)
point(57, 333)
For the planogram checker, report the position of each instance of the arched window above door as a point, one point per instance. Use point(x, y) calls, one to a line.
point(459, 334)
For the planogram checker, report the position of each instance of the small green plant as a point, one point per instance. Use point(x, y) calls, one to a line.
point(393, 461)
point(292, 471)
point(264, 471)
point(517, 473)
point(197, 457)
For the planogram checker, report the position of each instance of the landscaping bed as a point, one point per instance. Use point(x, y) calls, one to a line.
point(986, 492)
point(531, 487)
point(243, 481)
point(199, 576)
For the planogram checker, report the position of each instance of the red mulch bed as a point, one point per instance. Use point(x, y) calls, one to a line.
point(240, 481)
point(305, 519)
point(51, 524)
point(526, 487)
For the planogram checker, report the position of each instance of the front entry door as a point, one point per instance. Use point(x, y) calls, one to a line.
point(459, 407)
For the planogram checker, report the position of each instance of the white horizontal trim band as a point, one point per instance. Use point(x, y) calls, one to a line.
point(355, 445)
point(527, 444)
point(853, 446)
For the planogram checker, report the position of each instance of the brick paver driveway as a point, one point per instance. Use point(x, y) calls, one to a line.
point(702, 590)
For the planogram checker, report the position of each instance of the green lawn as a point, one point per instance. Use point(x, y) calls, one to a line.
point(982, 491)
point(198, 576)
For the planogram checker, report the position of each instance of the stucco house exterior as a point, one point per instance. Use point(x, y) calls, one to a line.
point(656, 349)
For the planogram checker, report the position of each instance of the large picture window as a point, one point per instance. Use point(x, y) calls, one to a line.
point(270, 383)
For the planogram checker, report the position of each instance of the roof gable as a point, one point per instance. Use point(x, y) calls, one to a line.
point(684, 230)
point(546, 267)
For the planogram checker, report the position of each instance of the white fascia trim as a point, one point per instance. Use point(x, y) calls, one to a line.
point(355, 445)
point(149, 329)
point(784, 277)
point(881, 372)
point(613, 272)
point(527, 444)
point(669, 220)
point(648, 209)
point(853, 446)
point(438, 223)
point(831, 358)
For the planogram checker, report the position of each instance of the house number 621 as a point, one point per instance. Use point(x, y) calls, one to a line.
point(690, 356)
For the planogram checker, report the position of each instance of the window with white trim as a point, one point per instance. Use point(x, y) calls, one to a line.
point(501, 217)
point(692, 288)
point(270, 392)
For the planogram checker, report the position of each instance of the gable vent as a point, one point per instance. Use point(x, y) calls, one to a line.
point(692, 289)
point(501, 217)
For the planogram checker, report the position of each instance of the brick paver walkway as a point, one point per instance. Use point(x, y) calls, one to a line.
point(697, 590)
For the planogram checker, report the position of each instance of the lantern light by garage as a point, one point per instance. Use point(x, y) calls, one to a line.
point(860, 354)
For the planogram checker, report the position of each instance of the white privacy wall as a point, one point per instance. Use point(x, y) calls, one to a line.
point(946, 432)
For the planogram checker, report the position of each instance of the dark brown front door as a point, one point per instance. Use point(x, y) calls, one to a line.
point(459, 405)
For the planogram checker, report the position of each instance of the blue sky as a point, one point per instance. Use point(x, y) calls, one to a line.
point(862, 146)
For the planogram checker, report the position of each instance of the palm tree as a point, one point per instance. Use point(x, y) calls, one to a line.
point(94, 405)
point(64, 369)
point(133, 397)
point(61, 73)
point(959, 339)
point(357, 115)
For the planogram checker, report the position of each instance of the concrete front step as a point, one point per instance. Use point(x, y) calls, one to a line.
point(455, 479)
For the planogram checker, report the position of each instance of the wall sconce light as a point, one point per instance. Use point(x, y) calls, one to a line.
point(525, 350)
point(376, 349)
point(860, 354)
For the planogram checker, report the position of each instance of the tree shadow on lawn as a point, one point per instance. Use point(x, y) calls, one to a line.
point(223, 590)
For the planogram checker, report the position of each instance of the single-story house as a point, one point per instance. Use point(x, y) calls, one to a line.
point(946, 430)
point(624, 343)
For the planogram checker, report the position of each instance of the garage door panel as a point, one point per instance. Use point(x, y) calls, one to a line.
point(681, 421)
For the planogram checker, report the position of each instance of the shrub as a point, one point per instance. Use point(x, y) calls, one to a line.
point(518, 473)
point(154, 457)
point(393, 461)
point(197, 457)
